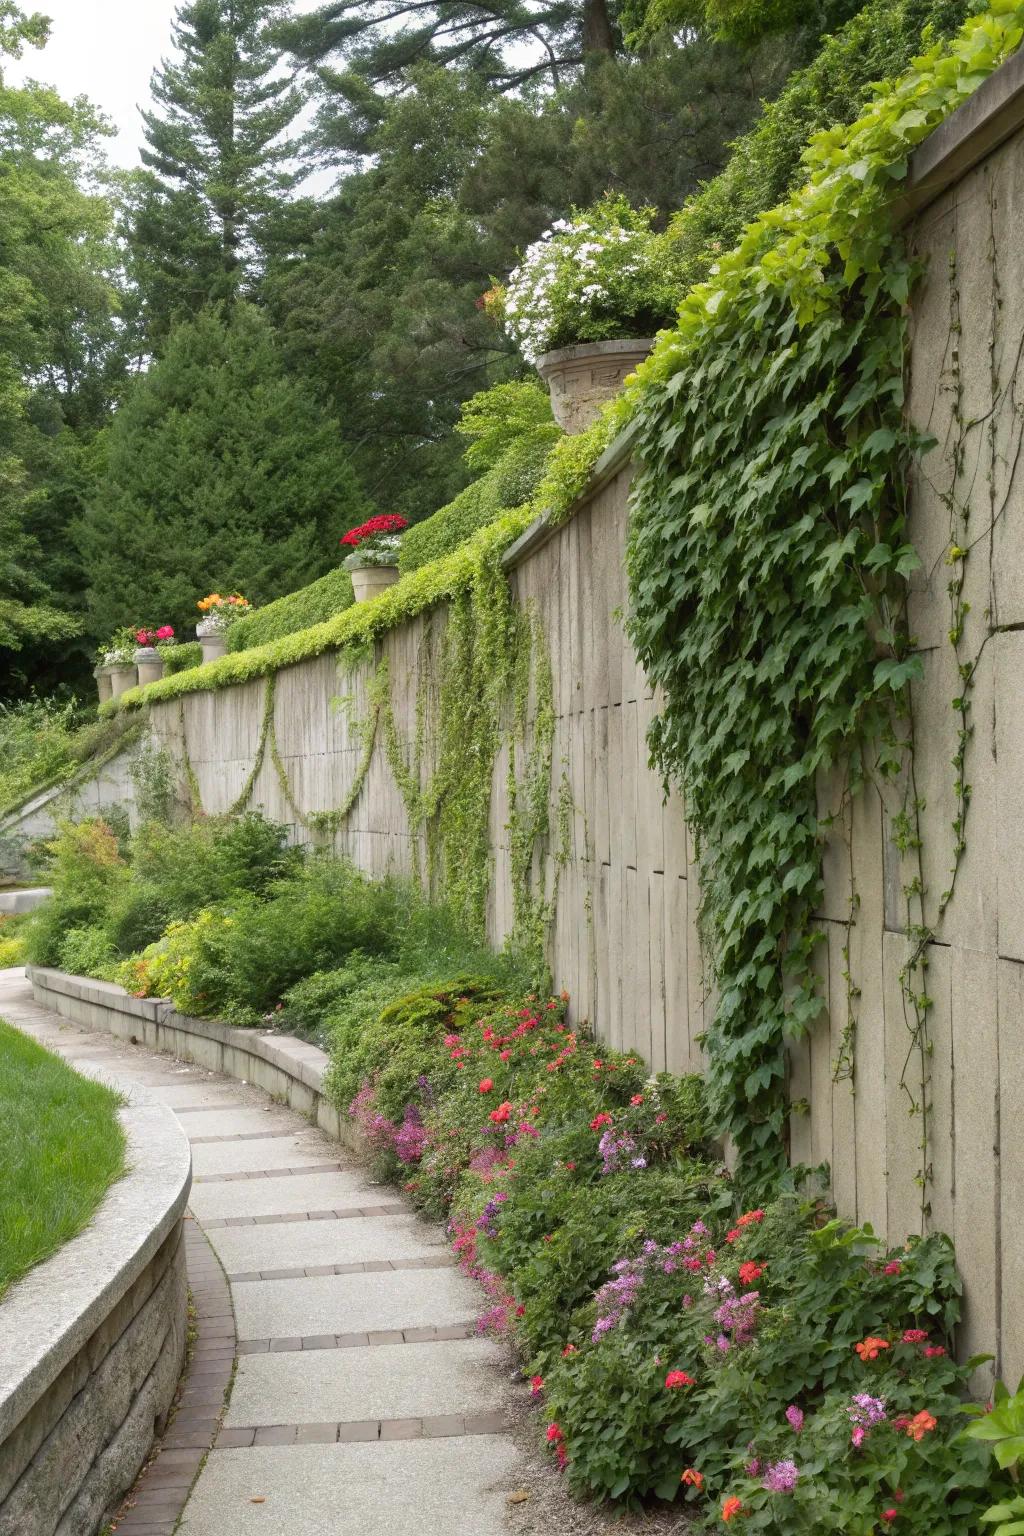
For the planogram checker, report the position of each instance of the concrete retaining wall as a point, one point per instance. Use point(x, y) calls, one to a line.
point(92, 1344)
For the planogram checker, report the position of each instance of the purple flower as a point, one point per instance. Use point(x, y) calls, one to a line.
point(781, 1477)
point(866, 1410)
point(795, 1416)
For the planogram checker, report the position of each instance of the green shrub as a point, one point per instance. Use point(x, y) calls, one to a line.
point(36, 745)
point(321, 600)
point(88, 952)
point(87, 872)
point(181, 658)
point(765, 164)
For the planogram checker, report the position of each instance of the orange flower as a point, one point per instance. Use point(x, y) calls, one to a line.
point(869, 1347)
point(921, 1424)
point(732, 1506)
point(693, 1478)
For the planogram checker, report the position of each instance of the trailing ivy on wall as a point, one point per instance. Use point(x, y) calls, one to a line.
point(769, 564)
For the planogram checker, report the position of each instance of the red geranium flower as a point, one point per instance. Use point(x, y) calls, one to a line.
point(750, 1272)
point(387, 522)
point(679, 1379)
point(486, 1084)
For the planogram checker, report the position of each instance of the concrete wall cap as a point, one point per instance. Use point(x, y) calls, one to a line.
point(50, 1315)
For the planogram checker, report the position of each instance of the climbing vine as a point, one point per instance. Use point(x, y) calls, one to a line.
point(769, 568)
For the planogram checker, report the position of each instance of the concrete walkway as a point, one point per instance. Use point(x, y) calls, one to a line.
point(363, 1401)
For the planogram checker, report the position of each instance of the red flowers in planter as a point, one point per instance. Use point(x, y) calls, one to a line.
point(387, 522)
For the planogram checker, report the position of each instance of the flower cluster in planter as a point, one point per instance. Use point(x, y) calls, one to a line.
point(220, 612)
point(601, 275)
point(375, 542)
point(119, 650)
point(775, 1368)
point(156, 638)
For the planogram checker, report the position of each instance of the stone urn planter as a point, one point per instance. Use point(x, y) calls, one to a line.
point(122, 677)
point(370, 580)
point(104, 686)
point(150, 665)
point(213, 637)
point(581, 378)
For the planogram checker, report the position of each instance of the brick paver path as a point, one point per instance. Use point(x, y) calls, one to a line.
point(363, 1403)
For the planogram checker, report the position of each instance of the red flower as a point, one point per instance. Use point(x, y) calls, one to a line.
point(165, 632)
point(486, 1084)
point(731, 1507)
point(637, 1098)
point(732, 1236)
point(554, 1434)
point(889, 1515)
point(570, 1349)
point(869, 1347)
point(599, 1120)
point(750, 1272)
point(933, 1352)
point(679, 1379)
point(536, 1385)
point(921, 1424)
point(500, 1114)
point(387, 522)
point(895, 1268)
point(693, 1478)
point(914, 1336)
point(748, 1217)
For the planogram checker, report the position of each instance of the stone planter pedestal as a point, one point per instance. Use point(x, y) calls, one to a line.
point(370, 580)
point(581, 378)
point(103, 683)
point(122, 678)
point(150, 665)
point(213, 638)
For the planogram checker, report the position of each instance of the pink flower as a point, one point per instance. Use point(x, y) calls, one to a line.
point(486, 1084)
point(536, 1385)
point(933, 1352)
point(795, 1416)
point(895, 1268)
point(165, 632)
point(914, 1336)
point(858, 1436)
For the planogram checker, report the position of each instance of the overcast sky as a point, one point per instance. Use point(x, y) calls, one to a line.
point(106, 50)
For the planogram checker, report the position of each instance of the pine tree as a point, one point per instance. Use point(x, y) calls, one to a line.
point(222, 474)
point(217, 158)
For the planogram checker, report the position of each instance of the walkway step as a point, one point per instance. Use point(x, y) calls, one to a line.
point(328, 1431)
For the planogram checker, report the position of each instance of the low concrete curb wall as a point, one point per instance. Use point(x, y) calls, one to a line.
point(289, 1069)
point(92, 1344)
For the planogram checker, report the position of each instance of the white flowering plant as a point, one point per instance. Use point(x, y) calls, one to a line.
point(604, 274)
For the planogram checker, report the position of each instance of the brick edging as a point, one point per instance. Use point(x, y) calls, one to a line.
point(156, 1502)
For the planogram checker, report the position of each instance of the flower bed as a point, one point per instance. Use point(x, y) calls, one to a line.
point(776, 1369)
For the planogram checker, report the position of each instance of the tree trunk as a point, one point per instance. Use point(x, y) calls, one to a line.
point(598, 36)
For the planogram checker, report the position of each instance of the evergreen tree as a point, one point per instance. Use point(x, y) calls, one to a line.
point(222, 474)
point(216, 157)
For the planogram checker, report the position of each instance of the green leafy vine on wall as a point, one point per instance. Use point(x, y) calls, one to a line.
point(769, 568)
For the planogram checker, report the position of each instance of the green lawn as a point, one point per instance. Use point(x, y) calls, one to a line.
point(61, 1147)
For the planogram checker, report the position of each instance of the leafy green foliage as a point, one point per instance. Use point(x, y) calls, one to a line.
point(878, 41)
point(221, 473)
point(61, 1146)
point(768, 560)
point(321, 600)
point(180, 658)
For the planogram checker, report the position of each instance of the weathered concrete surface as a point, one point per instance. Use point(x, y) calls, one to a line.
point(408, 1488)
point(355, 1384)
point(92, 1342)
